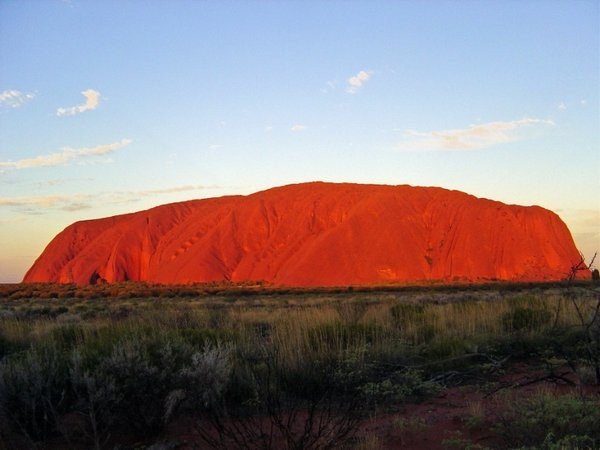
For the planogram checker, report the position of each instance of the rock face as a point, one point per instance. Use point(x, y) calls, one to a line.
point(316, 234)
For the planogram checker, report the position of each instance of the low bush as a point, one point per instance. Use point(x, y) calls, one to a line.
point(522, 346)
point(135, 382)
point(398, 388)
point(34, 390)
point(545, 420)
point(202, 382)
point(445, 347)
point(142, 373)
point(314, 405)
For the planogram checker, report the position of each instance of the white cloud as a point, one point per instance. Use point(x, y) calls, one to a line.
point(67, 154)
point(92, 100)
point(583, 102)
point(357, 81)
point(134, 196)
point(471, 138)
point(214, 146)
point(562, 106)
point(77, 202)
point(14, 99)
point(268, 128)
point(298, 127)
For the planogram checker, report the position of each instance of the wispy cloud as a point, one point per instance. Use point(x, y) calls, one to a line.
point(214, 146)
point(561, 106)
point(331, 85)
point(59, 182)
point(298, 127)
point(45, 201)
point(14, 99)
point(67, 154)
point(92, 100)
point(78, 202)
point(471, 138)
point(171, 190)
point(357, 81)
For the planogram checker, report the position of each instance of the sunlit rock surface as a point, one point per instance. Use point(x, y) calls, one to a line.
point(316, 234)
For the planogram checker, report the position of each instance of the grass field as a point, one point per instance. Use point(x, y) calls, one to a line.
point(247, 366)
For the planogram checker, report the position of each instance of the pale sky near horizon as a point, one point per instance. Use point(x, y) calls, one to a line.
point(108, 107)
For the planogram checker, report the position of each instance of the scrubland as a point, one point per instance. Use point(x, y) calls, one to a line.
point(246, 366)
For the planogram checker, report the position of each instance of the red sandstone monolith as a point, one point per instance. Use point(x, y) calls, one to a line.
point(316, 234)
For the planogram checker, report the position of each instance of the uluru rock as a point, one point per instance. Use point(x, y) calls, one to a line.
point(316, 234)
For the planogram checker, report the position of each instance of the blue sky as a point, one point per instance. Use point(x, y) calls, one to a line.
point(116, 106)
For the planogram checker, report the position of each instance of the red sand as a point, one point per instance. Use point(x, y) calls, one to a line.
point(316, 234)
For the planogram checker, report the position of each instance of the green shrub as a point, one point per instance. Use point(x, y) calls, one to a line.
point(313, 404)
point(570, 442)
point(523, 346)
point(96, 399)
point(202, 382)
point(34, 390)
point(399, 387)
point(142, 383)
point(547, 419)
point(141, 371)
point(445, 347)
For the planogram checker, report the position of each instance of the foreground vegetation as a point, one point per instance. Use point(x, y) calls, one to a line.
point(249, 367)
